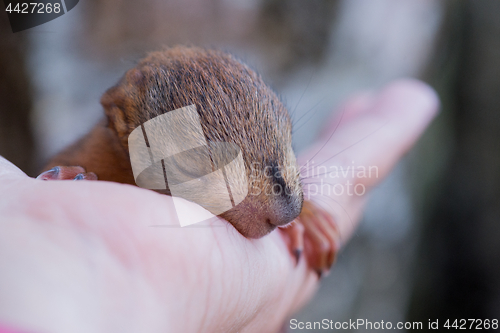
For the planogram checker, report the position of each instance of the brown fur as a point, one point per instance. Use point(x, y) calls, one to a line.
point(234, 106)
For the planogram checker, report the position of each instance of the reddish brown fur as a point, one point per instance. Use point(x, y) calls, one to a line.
point(234, 105)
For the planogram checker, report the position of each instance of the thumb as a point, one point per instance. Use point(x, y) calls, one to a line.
point(9, 171)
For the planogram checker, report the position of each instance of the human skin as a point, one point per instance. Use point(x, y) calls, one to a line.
point(85, 256)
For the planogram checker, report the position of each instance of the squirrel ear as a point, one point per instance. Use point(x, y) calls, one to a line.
point(113, 103)
point(118, 103)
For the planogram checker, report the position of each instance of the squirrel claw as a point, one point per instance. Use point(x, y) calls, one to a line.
point(86, 176)
point(297, 253)
point(67, 173)
point(322, 273)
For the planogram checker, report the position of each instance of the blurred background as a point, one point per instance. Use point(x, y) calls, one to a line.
point(429, 244)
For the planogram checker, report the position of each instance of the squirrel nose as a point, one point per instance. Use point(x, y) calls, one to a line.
point(279, 221)
point(284, 211)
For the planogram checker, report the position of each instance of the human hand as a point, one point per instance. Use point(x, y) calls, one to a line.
point(84, 257)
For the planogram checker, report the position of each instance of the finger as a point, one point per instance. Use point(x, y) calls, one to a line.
point(9, 170)
point(10, 178)
point(381, 134)
point(353, 107)
point(377, 134)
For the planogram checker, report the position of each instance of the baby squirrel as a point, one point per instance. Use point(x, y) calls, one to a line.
point(234, 105)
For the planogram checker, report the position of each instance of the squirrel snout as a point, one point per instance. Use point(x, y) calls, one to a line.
point(256, 216)
point(284, 210)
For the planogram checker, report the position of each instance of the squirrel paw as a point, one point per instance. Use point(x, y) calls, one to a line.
point(67, 173)
point(315, 234)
